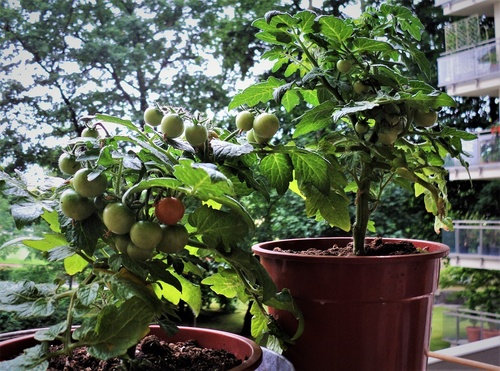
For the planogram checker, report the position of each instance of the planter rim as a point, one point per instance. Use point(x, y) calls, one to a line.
point(253, 359)
point(265, 249)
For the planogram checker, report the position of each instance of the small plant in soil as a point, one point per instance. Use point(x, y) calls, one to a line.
point(134, 216)
point(366, 114)
point(139, 211)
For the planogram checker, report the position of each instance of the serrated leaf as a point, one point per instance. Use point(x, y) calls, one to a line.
point(225, 150)
point(333, 207)
point(278, 168)
point(353, 107)
point(290, 100)
point(26, 212)
point(203, 180)
point(257, 93)
point(315, 119)
point(87, 294)
point(52, 332)
point(311, 168)
point(225, 282)
point(75, 264)
point(30, 360)
point(335, 28)
point(119, 328)
point(364, 44)
point(307, 21)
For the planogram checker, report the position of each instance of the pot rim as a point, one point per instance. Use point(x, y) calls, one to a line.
point(253, 360)
point(438, 250)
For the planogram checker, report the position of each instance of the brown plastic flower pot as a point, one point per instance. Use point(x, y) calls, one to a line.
point(243, 348)
point(360, 313)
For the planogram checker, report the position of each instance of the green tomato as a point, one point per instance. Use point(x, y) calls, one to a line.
point(175, 238)
point(138, 253)
point(89, 188)
point(90, 133)
point(265, 125)
point(118, 218)
point(146, 234)
point(388, 137)
point(196, 135)
point(360, 87)
point(172, 125)
point(244, 120)
point(75, 206)
point(121, 243)
point(344, 65)
point(362, 127)
point(68, 164)
point(251, 136)
point(425, 119)
point(153, 116)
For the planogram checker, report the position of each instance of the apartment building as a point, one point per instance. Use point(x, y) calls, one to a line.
point(470, 67)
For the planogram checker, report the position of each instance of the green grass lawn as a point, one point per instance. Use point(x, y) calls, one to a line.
point(437, 341)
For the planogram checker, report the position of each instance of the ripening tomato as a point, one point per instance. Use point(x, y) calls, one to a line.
point(175, 238)
point(169, 210)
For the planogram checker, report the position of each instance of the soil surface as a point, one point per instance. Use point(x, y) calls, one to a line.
point(153, 354)
point(376, 248)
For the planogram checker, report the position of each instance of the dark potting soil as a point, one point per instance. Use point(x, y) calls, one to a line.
point(376, 248)
point(153, 354)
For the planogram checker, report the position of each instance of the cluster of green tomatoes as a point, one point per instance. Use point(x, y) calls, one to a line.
point(132, 235)
point(260, 129)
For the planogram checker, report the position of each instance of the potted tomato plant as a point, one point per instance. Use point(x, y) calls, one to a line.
point(139, 209)
point(367, 118)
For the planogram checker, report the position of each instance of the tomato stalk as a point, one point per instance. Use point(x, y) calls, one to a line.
point(362, 210)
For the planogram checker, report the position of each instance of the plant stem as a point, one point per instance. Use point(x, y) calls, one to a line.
point(362, 210)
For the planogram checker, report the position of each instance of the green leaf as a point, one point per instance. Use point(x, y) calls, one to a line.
point(335, 28)
point(333, 207)
point(364, 45)
point(257, 93)
point(353, 107)
point(225, 282)
point(223, 150)
point(87, 294)
point(75, 264)
point(32, 359)
point(189, 292)
point(278, 168)
point(311, 168)
point(119, 328)
point(290, 100)
point(218, 226)
point(307, 21)
point(52, 332)
point(318, 118)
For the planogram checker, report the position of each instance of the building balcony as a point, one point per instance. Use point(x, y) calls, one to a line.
point(474, 244)
point(484, 160)
point(467, 7)
point(473, 71)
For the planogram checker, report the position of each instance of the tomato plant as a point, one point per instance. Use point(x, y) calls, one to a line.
point(196, 135)
point(139, 253)
point(87, 184)
point(75, 206)
point(146, 234)
point(169, 210)
point(360, 87)
point(172, 125)
point(68, 164)
point(175, 238)
point(118, 218)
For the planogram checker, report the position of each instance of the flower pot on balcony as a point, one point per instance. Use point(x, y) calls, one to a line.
point(360, 313)
point(490, 333)
point(245, 349)
point(473, 333)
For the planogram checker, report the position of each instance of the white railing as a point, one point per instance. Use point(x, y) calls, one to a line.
point(484, 149)
point(464, 325)
point(473, 63)
point(475, 237)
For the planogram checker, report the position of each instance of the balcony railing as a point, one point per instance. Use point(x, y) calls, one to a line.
point(473, 63)
point(485, 149)
point(464, 325)
point(475, 237)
